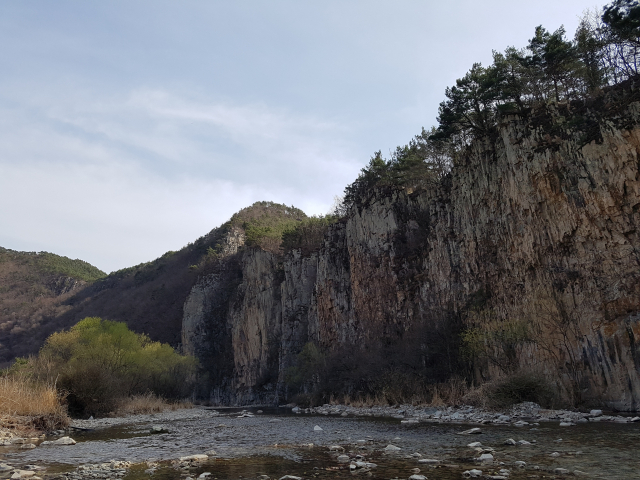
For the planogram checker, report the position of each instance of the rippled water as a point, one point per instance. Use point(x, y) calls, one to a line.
point(248, 447)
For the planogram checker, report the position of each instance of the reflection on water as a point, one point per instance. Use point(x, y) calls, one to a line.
point(276, 444)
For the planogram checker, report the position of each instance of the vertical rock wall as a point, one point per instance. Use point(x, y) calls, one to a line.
point(539, 227)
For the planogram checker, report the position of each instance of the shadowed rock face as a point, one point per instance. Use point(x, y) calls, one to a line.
point(537, 227)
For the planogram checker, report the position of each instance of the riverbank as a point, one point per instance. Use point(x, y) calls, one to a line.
point(331, 441)
point(522, 413)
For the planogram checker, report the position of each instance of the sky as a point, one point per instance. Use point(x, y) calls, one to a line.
point(130, 128)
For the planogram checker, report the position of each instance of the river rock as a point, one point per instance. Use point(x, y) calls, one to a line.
point(194, 458)
point(159, 429)
point(474, 444)
point(343, 458)
point(391, 448)
point(290, 477)
point(520, 464)
point(275, 420)
point(336, 448)
point(510, 441)
point(561, 471)
point(317, 428)
point(485, 458)
point(635, 419)
point(595, 413)
point(60, 441)
point(18, 474)
point(523, 442)
point(5, 468)
point(471, 431)
point(429, 461)
point(295, 410)
point(416, 476)
point(554, 454)
point(204, 475)
point(472, 473)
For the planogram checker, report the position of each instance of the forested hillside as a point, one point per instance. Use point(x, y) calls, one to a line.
point(33, 289)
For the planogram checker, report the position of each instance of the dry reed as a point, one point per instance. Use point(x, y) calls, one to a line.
point(148, 403)
point(27, 403)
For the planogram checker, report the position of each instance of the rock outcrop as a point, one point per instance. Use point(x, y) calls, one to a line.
point(535, 233)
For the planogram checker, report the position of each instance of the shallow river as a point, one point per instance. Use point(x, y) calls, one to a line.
point(278, 443)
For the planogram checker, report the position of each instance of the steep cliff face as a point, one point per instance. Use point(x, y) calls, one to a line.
point(535, 232)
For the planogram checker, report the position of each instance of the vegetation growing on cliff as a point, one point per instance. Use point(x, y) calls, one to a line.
point(265, 222)
point(307, 235)
point(551, 68)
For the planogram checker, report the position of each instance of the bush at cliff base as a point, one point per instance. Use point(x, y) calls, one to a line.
point(98, 361)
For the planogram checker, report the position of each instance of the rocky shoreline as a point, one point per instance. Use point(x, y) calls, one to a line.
point(522, 413)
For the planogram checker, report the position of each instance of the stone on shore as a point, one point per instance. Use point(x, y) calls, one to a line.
point(391, 448)
point(18, 474)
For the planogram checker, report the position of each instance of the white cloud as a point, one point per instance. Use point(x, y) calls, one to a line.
point(119, 182)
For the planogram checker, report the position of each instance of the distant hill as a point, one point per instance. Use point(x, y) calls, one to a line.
point(33, 289)
point(41, 292)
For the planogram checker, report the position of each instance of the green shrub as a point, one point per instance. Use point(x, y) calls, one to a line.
point(99, 361)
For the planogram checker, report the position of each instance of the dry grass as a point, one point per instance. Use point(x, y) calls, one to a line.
point(148, 403)
point(29, 404)
point(364, 402)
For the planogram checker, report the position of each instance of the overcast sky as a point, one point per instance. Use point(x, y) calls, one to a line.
point(129, 128)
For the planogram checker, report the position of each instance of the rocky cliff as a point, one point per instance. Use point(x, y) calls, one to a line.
point(526, 253)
